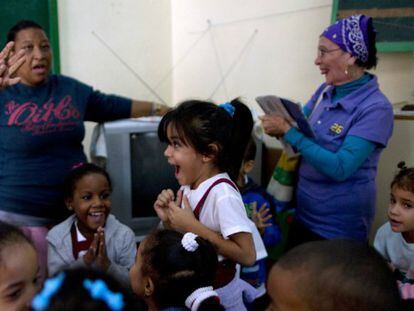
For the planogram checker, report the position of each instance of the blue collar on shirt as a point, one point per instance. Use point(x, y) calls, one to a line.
point(353, 92)
point(341, 91)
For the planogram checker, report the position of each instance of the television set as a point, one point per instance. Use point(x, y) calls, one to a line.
point(139, 171)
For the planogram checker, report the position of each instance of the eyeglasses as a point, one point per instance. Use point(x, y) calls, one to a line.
point(321, 52)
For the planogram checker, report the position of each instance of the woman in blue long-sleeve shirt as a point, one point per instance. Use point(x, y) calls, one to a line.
point(352, 121)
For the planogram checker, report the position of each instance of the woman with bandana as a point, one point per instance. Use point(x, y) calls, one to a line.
point(352, 121)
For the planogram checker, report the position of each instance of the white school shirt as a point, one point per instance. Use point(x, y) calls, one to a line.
point(80, 238)
point(223, 211)
point(393, 247)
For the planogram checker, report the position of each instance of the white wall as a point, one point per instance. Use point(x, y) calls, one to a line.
point(138, 31)
point(277, 61)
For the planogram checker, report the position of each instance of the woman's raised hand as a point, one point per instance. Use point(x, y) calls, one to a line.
point(9, 63)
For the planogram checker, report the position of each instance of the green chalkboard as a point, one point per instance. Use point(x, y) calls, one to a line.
point(393, 20)
point(43, 12)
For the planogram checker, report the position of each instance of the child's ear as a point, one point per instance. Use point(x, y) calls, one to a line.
point(149, 287)
point(68, 203)
point(248, 166)
point(213, 150)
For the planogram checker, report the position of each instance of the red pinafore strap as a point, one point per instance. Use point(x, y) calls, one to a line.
point(200, 203)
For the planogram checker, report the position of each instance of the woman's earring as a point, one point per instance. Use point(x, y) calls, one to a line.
point(346, 71)
point(70, 207)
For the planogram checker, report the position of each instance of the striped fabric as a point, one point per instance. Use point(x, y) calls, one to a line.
point(281, 186)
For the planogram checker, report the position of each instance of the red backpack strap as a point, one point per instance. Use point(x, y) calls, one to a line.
point(200, 203)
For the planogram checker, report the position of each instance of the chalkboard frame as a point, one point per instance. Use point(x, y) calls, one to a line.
point(386, 47)
point(54, 34)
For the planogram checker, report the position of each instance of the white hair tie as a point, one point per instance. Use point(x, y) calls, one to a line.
point(189, 242)
point(198, 296)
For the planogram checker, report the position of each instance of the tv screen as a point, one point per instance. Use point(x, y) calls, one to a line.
point(150, 173)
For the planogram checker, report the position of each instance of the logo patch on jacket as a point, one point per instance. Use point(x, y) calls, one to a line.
point(336, 129)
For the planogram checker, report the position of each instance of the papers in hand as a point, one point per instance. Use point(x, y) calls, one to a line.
point(289, 110)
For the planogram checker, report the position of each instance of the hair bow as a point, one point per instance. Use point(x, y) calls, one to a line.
point(198, 296)
point(229, 108)
point(52, 285)
point(77, 165)
point(99, 290)
point(189, 242)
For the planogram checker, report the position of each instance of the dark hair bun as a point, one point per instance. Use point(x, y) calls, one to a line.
point(401, 165)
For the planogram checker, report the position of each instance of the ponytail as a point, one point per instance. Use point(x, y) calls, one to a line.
point(242, 127)
point(404, 179)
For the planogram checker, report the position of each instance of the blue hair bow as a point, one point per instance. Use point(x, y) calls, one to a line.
point(52, 285)
point(99, 290)
point(229, 108)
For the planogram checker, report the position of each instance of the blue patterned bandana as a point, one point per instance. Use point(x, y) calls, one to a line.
point(351, 35)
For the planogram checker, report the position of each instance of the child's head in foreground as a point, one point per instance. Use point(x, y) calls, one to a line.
point(87, 189)
point(83, 289)
point(332, 275)
point(175, 270)
point(401, 208)
point(19, 270)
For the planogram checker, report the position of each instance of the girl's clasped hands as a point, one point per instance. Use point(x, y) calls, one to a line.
point(96, 253)
point(168, 208)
